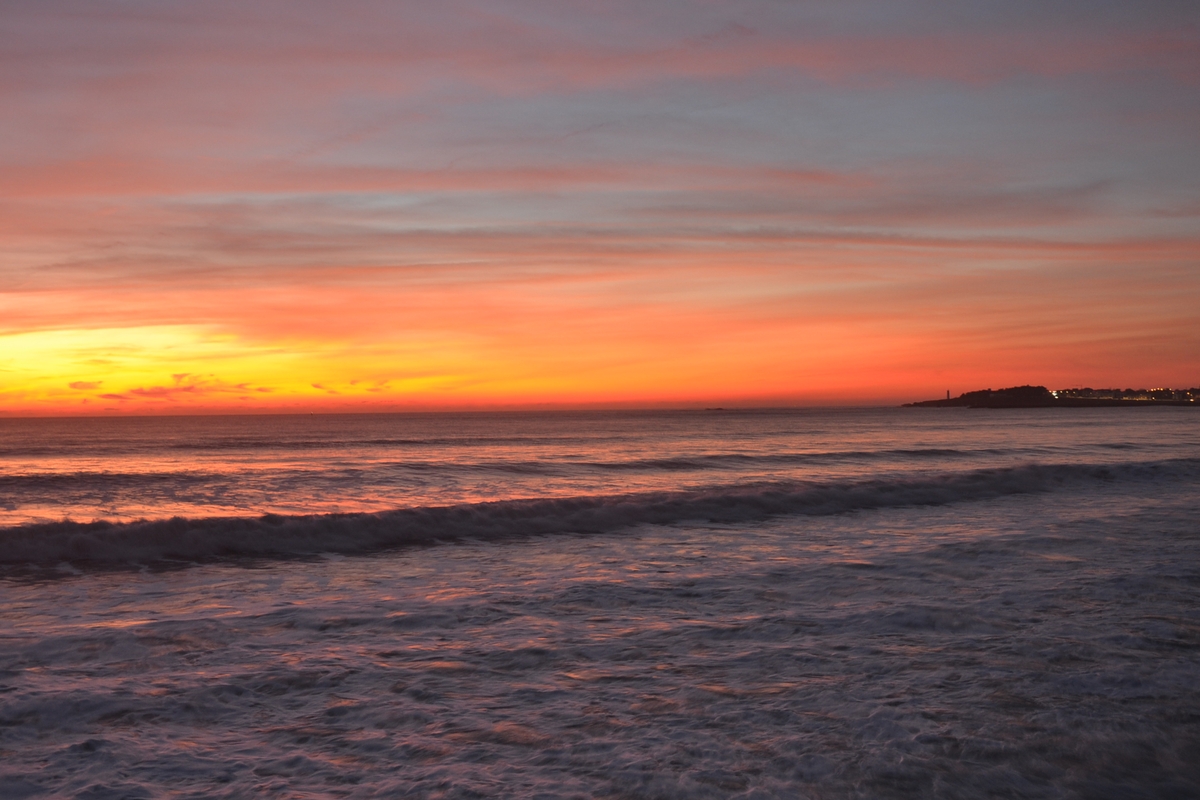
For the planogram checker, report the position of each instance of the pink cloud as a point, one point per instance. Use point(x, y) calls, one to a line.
point(503, 179)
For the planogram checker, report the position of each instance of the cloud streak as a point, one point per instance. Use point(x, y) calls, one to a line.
point(396, 204)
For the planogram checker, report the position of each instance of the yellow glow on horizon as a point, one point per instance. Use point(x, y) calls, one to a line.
point(78, 367)
point(165, 367)
point(182, 368)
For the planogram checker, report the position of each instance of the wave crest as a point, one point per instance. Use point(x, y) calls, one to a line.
point(202, 539)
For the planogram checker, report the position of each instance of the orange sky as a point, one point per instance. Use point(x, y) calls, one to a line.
point(393, 206)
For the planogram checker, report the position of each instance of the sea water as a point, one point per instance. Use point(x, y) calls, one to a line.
point(801, 603)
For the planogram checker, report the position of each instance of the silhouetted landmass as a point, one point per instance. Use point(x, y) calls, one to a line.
point(1041, 397)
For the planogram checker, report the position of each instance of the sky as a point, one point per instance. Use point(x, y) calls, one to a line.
point(219, 206)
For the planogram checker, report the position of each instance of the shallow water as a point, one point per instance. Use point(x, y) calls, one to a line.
point(1038, 642)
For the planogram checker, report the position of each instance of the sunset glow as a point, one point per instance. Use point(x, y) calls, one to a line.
point(391, 206)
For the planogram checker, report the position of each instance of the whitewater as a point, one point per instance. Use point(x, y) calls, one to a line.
point(830, 603)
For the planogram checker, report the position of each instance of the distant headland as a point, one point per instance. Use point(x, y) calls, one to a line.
point(1041, 397)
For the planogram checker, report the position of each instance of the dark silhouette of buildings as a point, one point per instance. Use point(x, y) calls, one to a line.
point(1041, 397)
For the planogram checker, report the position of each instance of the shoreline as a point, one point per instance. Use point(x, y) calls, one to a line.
point(1063, 403)
point(1041, 397)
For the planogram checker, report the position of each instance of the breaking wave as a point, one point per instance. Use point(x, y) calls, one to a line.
point(201, 539)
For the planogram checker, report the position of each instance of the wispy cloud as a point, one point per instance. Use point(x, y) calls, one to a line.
point(394, 200)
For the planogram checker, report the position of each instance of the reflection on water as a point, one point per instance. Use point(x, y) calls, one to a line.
point(861, 604)
point(152, 468)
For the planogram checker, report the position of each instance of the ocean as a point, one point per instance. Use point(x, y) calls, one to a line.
point(820, 603)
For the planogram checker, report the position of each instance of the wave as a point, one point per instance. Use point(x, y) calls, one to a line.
point(203, 539)
point(256, 443)
point(103, 480)
point(743, 460)
point(112, 480)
